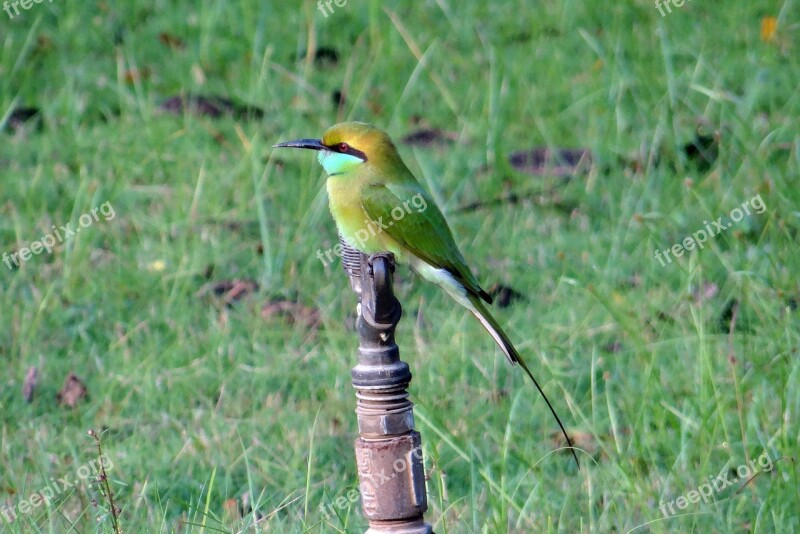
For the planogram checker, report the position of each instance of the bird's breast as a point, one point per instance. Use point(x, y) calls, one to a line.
point(353, 223)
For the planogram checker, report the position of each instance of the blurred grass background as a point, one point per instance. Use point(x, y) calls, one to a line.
point(219, 417)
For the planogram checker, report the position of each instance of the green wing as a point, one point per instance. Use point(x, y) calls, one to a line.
point(424, 232)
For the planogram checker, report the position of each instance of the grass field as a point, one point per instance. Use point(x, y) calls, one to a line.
point(218, 415)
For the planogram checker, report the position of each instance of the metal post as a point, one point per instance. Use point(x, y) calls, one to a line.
point(388, 450)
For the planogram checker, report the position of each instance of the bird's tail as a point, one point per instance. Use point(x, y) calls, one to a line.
point(479, 310)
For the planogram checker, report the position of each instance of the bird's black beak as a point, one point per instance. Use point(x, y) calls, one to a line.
point(311, 144)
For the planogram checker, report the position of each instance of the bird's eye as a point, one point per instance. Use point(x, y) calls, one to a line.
point(344, 147)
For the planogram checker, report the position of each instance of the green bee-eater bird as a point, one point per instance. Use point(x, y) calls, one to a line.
point(371, 193)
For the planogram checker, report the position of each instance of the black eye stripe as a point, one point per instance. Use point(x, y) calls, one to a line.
point(337, 147)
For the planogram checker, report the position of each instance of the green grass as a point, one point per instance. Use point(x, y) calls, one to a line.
point(204, 405)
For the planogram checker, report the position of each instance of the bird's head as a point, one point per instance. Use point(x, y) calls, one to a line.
point(348, 145)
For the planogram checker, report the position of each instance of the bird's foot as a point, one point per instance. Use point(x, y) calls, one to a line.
point(387, 255)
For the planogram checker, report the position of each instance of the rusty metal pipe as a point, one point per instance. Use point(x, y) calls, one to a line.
point(388, 450)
